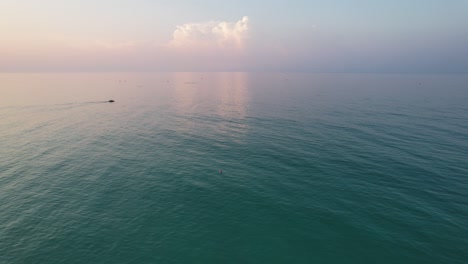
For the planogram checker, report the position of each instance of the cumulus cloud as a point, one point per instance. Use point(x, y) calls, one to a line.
point(211, 34)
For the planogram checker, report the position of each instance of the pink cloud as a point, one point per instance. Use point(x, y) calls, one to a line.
point(213, 35)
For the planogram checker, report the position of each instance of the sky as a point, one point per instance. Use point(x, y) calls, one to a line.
point(400, 36)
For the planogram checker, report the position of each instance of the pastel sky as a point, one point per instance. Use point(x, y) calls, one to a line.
point(422, 36)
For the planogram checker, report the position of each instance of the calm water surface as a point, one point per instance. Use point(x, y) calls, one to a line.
point(317, 168)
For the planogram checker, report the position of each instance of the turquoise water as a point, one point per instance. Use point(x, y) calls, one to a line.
point(317, 168)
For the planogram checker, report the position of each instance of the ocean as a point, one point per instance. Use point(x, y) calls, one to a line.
point(316, 168)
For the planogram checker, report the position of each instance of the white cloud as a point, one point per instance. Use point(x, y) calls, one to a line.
point(211, 34)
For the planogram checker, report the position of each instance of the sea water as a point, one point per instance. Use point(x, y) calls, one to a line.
point(316, 168)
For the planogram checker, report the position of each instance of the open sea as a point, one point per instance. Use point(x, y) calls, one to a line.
point(316, 168)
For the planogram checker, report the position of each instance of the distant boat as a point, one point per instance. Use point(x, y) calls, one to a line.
point(110, 101)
